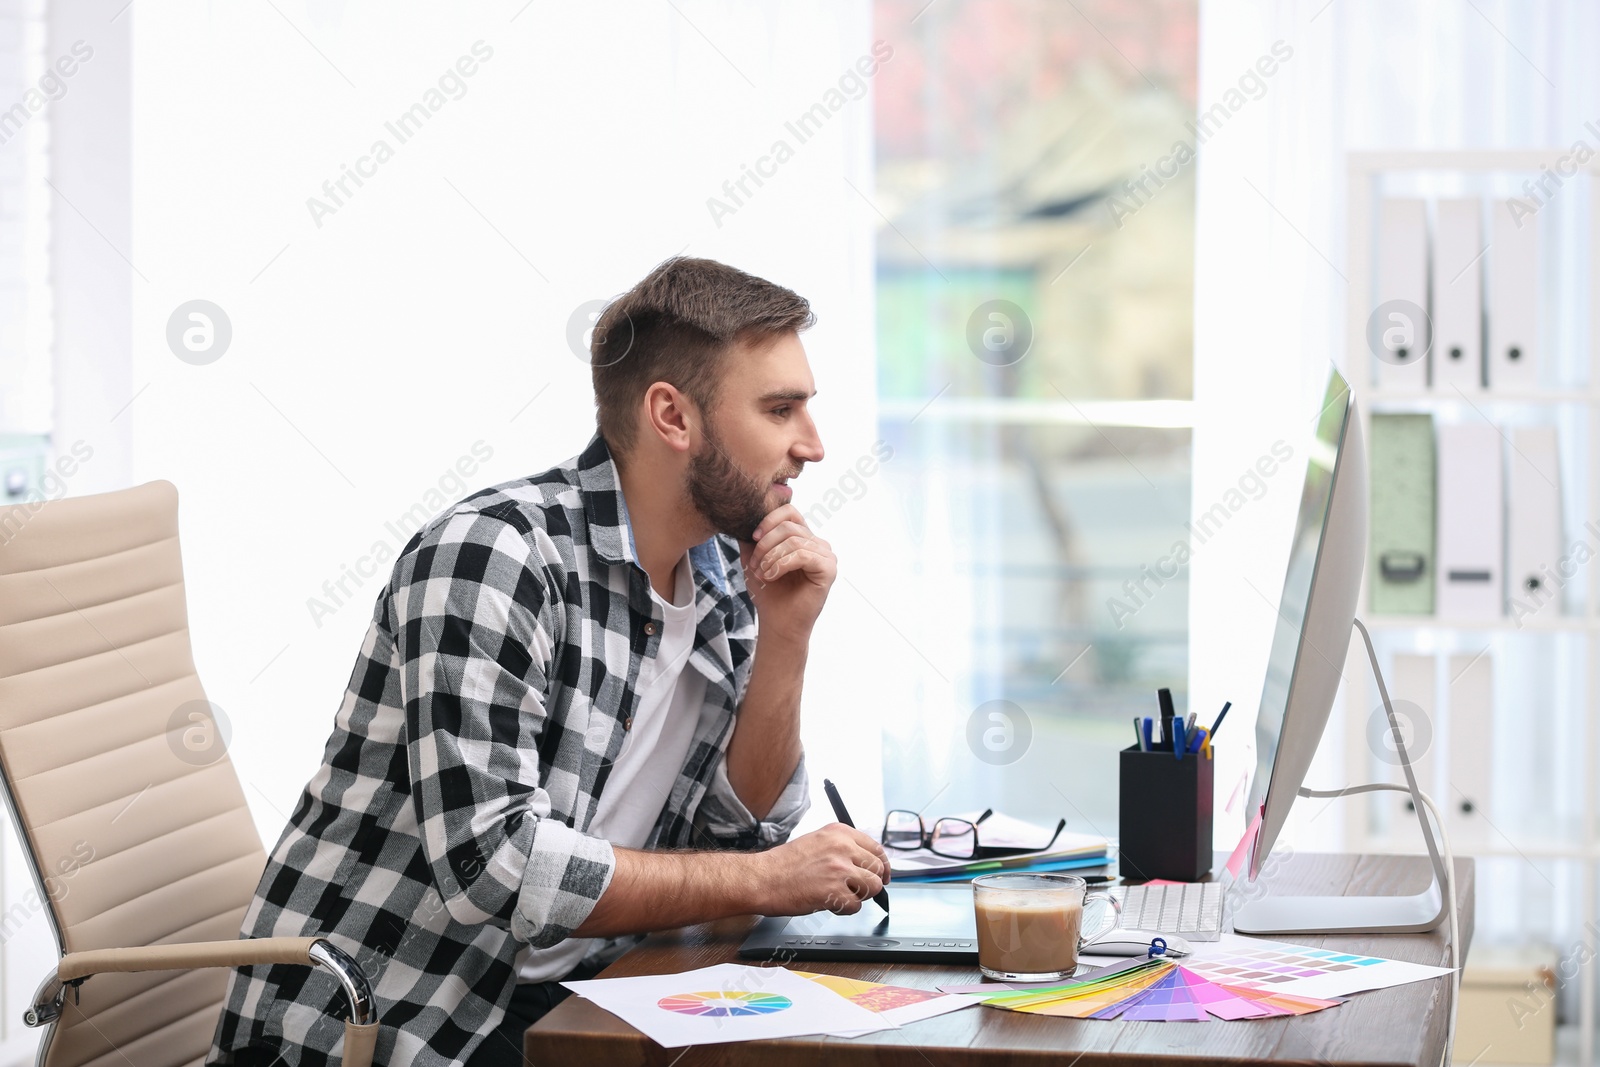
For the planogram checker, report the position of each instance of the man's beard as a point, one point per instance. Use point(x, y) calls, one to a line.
point(731, 501)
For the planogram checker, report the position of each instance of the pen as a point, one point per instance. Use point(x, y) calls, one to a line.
point(1223, 714)
point(1199, 741)
point(1179, 743)
point(1149, 741)
point(1165, 697)
point(882, 897)
point(1138, 733)
point(1188, 725)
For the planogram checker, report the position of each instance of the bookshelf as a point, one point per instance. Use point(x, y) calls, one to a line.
point(1569, 396)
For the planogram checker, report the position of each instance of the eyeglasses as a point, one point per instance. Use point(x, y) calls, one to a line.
point(955, 839)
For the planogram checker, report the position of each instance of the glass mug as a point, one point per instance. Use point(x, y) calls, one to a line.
point(1030, 926)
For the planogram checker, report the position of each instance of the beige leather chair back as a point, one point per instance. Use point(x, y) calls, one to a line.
point(129, 806)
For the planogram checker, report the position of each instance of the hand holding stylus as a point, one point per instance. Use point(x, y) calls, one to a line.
point(881, 898)
point(835, 868)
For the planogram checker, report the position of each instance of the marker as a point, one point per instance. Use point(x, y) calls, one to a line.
point(1179, 744)
point(1165, 698)
point(881, 898)
point(1223, 714)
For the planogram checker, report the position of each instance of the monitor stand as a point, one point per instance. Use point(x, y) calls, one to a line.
point(1359, 915)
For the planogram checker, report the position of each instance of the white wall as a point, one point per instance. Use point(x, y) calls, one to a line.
point(428, 314)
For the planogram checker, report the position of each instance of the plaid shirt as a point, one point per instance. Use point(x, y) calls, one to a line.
point(446, 826)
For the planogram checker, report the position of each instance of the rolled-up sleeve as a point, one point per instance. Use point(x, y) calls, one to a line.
point(722, 820)
point(473, 628)
point(566, 873)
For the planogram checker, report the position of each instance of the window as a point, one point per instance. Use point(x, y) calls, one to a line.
point(1034, 302)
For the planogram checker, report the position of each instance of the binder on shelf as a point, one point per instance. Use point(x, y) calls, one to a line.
point(1457, 296)
point(1471, 749)
point(1533, 523)
point(1471, 540)
point(1512, 267)
point(1411, 689)
point(1401, 574)
point(1403, 275)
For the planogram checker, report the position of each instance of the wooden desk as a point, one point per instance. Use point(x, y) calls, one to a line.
point(1401, 1025)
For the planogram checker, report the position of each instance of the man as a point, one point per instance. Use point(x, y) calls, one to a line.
point(565, 726)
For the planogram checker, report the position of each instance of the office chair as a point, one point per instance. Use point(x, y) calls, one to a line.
point(143, 853)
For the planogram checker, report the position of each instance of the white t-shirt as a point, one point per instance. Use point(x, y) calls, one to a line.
point(653, 750)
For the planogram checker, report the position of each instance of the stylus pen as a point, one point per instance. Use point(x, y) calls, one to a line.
point(882, 897)
point(1223, 714)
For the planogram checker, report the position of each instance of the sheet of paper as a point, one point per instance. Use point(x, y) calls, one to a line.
point(1242, 849)
point(897, 1004)
point(728, 1002)
point(1277, 967)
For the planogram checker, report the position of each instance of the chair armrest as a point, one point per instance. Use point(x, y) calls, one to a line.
point(360, 1029)
point(247, 952)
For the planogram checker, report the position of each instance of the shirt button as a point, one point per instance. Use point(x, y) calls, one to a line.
point(649, 629)
point(627, 724)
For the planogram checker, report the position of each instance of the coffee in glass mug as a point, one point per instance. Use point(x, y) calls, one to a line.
point(1031, 926)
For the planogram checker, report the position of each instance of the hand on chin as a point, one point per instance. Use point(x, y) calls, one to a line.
point(789, 570)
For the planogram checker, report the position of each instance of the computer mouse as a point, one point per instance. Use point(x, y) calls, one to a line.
point(1121, 942)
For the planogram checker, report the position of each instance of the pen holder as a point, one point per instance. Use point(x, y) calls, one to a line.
point(1164, 819)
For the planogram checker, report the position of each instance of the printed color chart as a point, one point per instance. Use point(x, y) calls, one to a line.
point(1272, 966)
point(725, 1003)
point(1266, 967)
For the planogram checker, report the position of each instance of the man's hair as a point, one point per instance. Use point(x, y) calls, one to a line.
point(677, 326)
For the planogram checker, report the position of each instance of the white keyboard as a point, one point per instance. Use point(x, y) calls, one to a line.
point(1193, 909)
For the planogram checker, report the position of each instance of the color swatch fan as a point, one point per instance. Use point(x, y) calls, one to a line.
point(1151, 989)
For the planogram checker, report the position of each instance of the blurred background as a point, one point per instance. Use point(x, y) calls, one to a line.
point(1077, 267)
point(1035, 371)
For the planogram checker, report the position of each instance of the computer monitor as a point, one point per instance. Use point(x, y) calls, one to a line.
point(1315, 618)
point(1320, 586)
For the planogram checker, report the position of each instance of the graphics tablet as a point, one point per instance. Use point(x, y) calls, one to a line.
point(926, 923)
